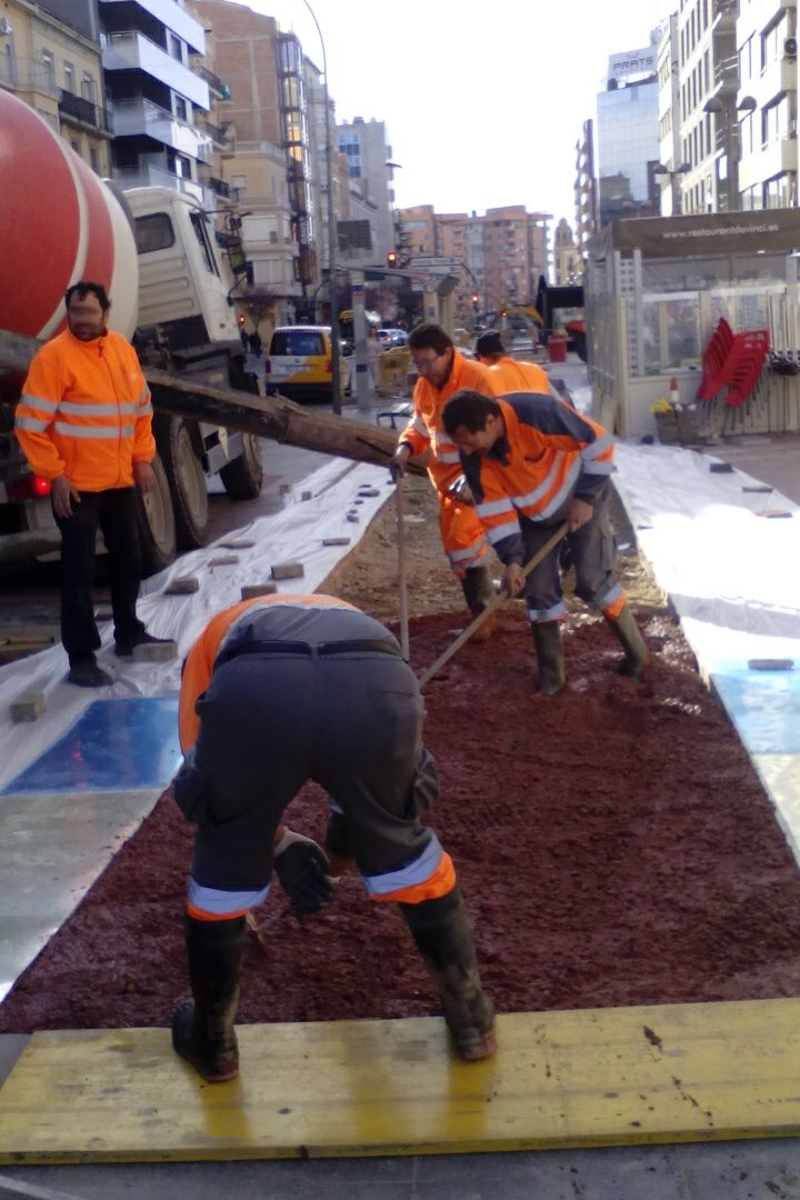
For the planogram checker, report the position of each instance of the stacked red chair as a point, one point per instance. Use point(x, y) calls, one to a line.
point(733, 360)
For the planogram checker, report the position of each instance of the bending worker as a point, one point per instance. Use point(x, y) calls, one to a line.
point(442, 372)
point(84, 423)
point(277, 691)
point(531, 463)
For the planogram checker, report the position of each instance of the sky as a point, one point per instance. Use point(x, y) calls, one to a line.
point(483, 103)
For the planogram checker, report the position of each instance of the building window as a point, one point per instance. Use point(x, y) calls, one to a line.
point(94, 160)
point(88, 87)
point(175, 48)
point(48, 70)
point(180, 108)
point(69, 78)
point(8, 63)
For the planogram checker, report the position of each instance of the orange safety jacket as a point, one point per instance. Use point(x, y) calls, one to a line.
point(85, 412)
point(549, 455)
point(462, 535)
point(509, 375)
point(203, 654)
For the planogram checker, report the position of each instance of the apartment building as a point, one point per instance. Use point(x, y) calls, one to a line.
point(50, 58)
point(670, 168)
point(585, 189)
point(370, 169)
point(268, 122)
point(156, 99)
point(568, 267)
point(766, 103)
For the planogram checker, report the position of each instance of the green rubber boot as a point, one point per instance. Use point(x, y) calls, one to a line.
point(443, 936)
point(626, 631)
point(202, 1028)
point(549, 656)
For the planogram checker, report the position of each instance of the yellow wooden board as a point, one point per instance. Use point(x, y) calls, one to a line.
point(594, 1077)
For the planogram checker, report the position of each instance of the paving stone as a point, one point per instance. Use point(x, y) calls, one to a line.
point(183, 586)
point(155, 652)
point(239, 545)
point(27, 706)
point(285, 488)
point(251, 590)
point(369, 492)
point(337, 541)
point(224, 560)
point(353, 518)
point(306, 495)
point(288, 570)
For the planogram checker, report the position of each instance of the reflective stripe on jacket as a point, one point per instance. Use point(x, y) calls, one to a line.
point(203, 654)
point(85, 412)
point(425, 430)
point(508, 375)
point(550, 454)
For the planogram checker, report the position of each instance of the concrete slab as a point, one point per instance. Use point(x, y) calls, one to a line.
point(53, 847)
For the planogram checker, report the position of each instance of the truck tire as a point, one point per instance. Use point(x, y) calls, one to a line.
point(187, 481)
point(157, 524)
point(243, 477)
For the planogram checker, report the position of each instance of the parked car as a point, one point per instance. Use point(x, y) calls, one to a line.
point(298, 364)
point(392, 337)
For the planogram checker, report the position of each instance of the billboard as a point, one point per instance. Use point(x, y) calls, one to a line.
point(635, 62)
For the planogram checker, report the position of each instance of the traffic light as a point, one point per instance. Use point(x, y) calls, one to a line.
point(391, 258)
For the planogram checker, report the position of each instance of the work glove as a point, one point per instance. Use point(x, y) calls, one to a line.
point(397, 463)
point(302, 868)
point(460, 490)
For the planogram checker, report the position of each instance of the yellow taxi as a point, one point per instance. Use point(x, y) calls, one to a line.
point(298, 363)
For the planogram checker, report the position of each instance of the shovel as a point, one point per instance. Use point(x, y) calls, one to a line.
point(434, 669)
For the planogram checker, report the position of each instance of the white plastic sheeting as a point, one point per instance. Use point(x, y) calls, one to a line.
point(731, 571)
point(294, 534)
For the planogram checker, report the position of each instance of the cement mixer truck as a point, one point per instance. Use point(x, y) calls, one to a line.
point(154, 250)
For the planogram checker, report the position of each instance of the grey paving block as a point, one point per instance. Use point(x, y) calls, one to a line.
point(155, 652)
point(242, 544)
point(285, 488)
point(224, 560)
point(251, 590)
point(337, 541)
point(369, 492)
point(27, 706)
point(306, 495)
point(288, 570)
point(183, 586)
point(353, 518)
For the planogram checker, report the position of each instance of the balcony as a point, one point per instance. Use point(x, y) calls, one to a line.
point(172, 16)
point(218, 89)
point(143, 118)
point(147, 175)
point(76, 108)
point(133, 51)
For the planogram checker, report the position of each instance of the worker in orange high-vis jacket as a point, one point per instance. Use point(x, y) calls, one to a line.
point(510, 374)
point(531, 463)
point(84, 424)
point(442, 372)
point(277, 691)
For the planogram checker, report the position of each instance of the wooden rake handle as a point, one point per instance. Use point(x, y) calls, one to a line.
point(455, 646)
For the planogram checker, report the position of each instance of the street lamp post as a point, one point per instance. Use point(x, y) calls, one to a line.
point(336, 388)
point(674, 184)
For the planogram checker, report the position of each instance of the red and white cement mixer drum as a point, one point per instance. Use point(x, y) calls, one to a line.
point(58, 223)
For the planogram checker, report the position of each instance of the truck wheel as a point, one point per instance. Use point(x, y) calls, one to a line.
point(157, 524)
point(242, 478)
point(187, 482)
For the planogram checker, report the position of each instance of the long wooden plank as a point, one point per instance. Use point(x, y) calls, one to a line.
point(599, 1077)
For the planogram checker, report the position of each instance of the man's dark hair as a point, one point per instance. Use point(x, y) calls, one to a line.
point(470, 410)
point(85, 287)
point(428, 336)
point(489, 344)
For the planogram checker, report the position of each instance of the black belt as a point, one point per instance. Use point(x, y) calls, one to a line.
point(305, 650)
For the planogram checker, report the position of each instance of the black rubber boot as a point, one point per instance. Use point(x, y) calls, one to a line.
point(202, 1028)
point(444, 939)
point(478, 589)
point(549, 656)
point(626, 631)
